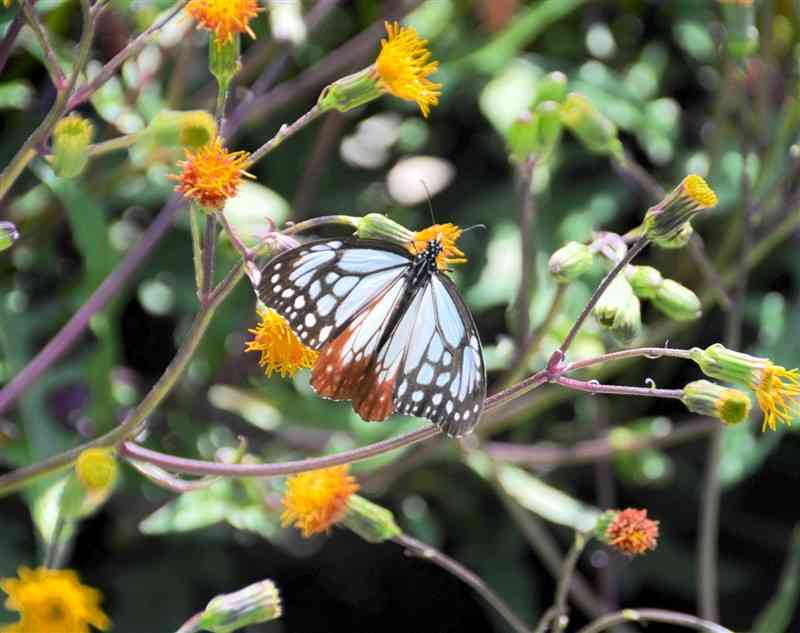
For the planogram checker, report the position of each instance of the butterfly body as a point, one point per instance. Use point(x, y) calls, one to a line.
point(393, 334)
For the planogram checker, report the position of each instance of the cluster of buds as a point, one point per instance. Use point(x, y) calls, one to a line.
point(618, 310)
point(676, 301)
point(536, 132)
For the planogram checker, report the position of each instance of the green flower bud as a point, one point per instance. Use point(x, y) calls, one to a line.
point(71, 139)
point(553, 87)
point(619, 310)
point(522, 137)
point(224, 59)
point(666, 221)
point(191, 129)
point(645, 280)
point(570, 261)
point(717, 361)
point(351, 91)
point(259, 602)
point(677, 301)
point(723, 403)
point(377, 226)
point(741, 34)
point(8, 235)
point(549, 126)
point(91, 483)
point(593, 129)
point(370, 521)
point(679, 240)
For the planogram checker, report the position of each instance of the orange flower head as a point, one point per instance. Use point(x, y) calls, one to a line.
point(280, 348)
point(53, 601)
point(631, 532)
point(224, 18)
point(403, 68)
point(317, 499)
point(446, 235)
point(211, 175)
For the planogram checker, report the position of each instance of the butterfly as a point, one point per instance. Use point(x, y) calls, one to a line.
point(393, 333)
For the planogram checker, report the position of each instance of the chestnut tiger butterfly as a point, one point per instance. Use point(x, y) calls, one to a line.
point(393, 333)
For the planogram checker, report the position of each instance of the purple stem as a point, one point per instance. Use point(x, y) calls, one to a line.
point(594, 388)
point(11, 37)
point(68, 334)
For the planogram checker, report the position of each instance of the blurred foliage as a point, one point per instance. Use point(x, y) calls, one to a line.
point(657, 70)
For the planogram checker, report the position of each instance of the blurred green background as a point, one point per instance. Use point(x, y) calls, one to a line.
point(657, 69)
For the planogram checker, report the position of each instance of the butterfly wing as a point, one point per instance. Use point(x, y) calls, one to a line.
point(322, 286)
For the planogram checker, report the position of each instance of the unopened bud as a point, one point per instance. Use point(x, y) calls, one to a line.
point(8, 235)
point(377, 226)
point(224, 59)
point(677, 301)
point(91, 483)
point(192, 129)
point(666, 221)
point(71, 139)
point(729, 405)
point(741, 34)
point(351, 92)
point(370, 521)
point(552, 87)
point(619, 310)
point(679, 240)
point(570, 261)
point(259, 602)
point(717, 361)
point(593, 129)
point(645, 280)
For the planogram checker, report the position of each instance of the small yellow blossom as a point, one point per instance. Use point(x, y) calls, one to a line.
point(211, 175)
point(667, 221)
point(628, 531)
point(317, 499)
point(96, 469)
point(280, 348)
point(53, 601)
point(403, 68)
point(224, 17)
point(446, 235)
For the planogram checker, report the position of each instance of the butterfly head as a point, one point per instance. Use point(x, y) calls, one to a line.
point(438, 242)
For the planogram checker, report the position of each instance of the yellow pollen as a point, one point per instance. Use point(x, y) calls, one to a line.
point(317, 499)
point(403, 68)
point(446, 235)
point(699, 191)
point(224, 17)
point(778, 393)
point(281, 349)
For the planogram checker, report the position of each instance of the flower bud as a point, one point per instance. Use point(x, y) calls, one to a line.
point(286, 22)
point(677, 301)
point(377, 226)
point(741, 34)
point(645, 280)
point(90, 484)
point(191, 129)
point(224, 59)
point(666, 221)
point(259, 602)
point(351, 91)
point(8, 235)
point(723, 403)
point(717, 361)
point(71, 139)
point(370, 521)
point(593, 129)
point(549, 126)
point(522, 137)
point(553, 87)
point(570, 261)
point(619, 310)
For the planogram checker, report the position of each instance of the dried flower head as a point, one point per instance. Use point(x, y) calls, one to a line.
point(777, 389)
point(224, 18)
point(628, 531)
point(53, 601)
point(281, 349)
point(402, 67)
point(317, 499)
point(211, 174)
point(446, 235)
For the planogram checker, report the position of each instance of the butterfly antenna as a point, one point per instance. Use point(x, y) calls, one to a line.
point(430, 206)
point(474, 226)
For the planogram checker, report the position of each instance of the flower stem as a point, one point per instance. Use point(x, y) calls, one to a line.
point(197, 250)
point(527, 215)
point(633, 251)
point(556, 616)
point(422, 550)
point(646, 352)
point(595, 388)
point(208, 258)
point(192, 625)
point(49, 56)
point(114, 144)
point(283, 133)
point(653, 615)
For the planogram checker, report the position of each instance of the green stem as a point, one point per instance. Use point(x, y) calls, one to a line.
point(567, 570)
point(49, 56)
point(197, 250)
point(114, 144)
point(653, 615)
point(283, 133)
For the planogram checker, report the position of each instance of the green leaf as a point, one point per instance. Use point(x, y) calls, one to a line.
point(190, 511)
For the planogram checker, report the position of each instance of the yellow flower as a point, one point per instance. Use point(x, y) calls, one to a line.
point(53, 601)
point(777, 389)
point(280, 348)
point(224, 17)
point(446, 235)
point(96, 469)
point(317, 499)
point(403, 68)
point(665, 222)
point(211, 175)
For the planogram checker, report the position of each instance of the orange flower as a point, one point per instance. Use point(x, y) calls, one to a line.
point(629, 531)
point(280, 348)
point(224, 17)
point(446, 235)
point(317, 499)
point(403, 68)
point(53, 601)
point(211, 175)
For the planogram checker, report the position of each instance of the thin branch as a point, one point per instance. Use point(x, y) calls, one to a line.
point(653, 615)
point(285, 132)
point(49, 56)
point(208, 256)
point(557, 616)
point(426, 552)
point(527, 230)
point(634, 352)
point(593, 387)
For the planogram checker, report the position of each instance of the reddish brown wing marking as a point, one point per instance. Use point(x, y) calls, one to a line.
point(374, 401)
point(334, 377)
